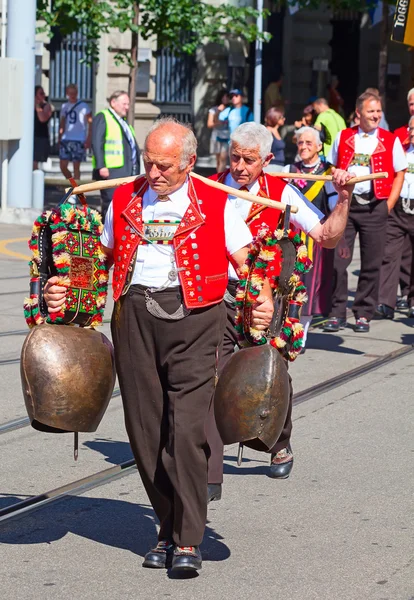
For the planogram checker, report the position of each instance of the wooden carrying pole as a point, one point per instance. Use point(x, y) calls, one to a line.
point(310, 177)
point(111, 183)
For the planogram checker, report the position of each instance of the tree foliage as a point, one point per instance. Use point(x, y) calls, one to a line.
point(181, 25)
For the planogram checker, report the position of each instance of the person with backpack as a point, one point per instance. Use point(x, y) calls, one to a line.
point(75, 132)
point(237, 113)
point(329, 122)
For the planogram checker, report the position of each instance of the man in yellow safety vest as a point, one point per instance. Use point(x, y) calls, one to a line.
point(115, 149)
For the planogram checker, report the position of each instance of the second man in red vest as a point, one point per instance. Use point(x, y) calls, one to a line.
point(363, 150)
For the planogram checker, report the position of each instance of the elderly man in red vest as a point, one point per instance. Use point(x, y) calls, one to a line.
point(403, 133)
point(363, 150)
point(250, 153)
point(168, 321)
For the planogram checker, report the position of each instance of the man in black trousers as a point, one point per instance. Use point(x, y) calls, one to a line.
point(363, 150)
point(115, 149)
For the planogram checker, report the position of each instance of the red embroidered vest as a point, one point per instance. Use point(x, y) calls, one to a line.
point(263, 217)
point(381, 158)
point(202, 256)
point(402, 134)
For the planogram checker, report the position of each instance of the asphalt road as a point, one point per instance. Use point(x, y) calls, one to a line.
point(340, 528)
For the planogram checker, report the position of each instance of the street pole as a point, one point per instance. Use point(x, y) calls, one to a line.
point(21, 26)
point(257, 110)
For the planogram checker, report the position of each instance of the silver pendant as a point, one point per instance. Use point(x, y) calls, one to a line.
point(172, 275)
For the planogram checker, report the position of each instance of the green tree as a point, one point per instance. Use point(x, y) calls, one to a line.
point(181, 25)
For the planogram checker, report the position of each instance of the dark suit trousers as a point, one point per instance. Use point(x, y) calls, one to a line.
point(400, 228)
point(369, 221)
point(215, 462)
point(405, 269)
point(166, 373)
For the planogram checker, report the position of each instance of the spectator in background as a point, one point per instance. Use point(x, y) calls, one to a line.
point(308, 117)
point(42, 115)
point(323, 196)
point(115, 149)
point(329, 122)
point(336, 102)
point(237, 113)
point(274, 119)
point(75, 132)
point(220, 135)
point(273, 96)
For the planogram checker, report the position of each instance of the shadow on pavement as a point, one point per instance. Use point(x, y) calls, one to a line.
point(114, 451)
point(115, 523)
point(330, 342)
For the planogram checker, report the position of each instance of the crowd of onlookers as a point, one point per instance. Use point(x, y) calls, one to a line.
point(361, 143)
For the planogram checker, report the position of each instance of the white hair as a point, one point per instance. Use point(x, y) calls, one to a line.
point(252, 135)
point(189, 141)
point(311, 130)
point(410, 93)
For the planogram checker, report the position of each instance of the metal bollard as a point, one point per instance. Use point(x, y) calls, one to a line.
point(38, 198)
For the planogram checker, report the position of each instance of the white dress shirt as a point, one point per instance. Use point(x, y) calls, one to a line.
point(153, 261)
point(305, 219)
point(408, 185)
point(365, 143)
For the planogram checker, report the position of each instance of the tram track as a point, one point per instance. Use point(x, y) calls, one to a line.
point(80, 486)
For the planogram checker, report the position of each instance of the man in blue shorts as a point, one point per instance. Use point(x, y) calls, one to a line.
point(75, 132)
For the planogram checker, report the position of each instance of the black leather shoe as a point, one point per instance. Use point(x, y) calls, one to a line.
point(186, 558)
point(384, 312)
point(159, 557)
point(402, 303)
point(334, 324)
point(362, 325)
point(213, 492)
point(281, 464)
point(411, 312)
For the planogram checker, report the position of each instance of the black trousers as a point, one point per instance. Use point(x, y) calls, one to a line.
point(215, 462)
point(166, 373)
point(400, 229)
point(405, 269)
point(369, 221)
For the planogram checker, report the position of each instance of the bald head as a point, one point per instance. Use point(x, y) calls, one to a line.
point(169, 155)
point(169, 132)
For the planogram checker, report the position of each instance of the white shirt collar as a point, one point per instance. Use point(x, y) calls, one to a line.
point(179, 196)
point(252, 187)
point(369, 133)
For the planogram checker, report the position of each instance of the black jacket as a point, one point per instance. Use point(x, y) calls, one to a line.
point(98, 141)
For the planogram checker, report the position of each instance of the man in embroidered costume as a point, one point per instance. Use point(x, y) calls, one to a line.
point(400, 228)
point(249, 155)
point(363, 150)
point(167, 325)
point(403, 134)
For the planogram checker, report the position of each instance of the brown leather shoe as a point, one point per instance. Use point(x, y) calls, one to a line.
point(281, 463)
